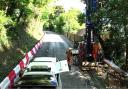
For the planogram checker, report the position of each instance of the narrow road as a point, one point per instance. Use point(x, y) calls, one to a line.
point(55, 45)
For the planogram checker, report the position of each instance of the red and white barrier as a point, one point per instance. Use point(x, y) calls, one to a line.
point(12, 77)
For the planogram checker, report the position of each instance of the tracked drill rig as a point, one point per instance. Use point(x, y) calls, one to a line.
point(90, 8)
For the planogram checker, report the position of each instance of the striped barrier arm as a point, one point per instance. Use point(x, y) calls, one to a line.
point(13, 76)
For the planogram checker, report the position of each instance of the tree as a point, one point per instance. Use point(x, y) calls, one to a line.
point(111, 17)
point(72, 21)
point(81, 18)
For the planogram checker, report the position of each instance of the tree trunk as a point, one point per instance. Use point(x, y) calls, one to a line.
point(10, 9)
point(21, 13)
point(126, 60)
point(100, 39)
point(126, 42)
point(106, 48)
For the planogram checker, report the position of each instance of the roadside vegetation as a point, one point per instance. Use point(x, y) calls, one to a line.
point(22, 23)
point(110, 22)
point(20, 29)
point(62, 21)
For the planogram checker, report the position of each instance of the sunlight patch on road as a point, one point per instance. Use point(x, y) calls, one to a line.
point(81, 76)
point(53, 38)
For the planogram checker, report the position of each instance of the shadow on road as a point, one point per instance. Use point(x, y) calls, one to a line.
point(76, 79)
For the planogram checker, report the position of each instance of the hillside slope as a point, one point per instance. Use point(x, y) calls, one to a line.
point(20, 39)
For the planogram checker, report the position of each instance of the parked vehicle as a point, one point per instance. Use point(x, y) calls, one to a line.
point(37, 80)
point(45, 59)
point(39, 74)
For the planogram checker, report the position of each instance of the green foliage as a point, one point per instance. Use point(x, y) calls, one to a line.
point(20, 27)
point(111, 16)
point(3, 21)
point(54, 20)
point(60, 21)
point(71, 21)
point(45, 15)
point(41, 3)
point(58, 10)
point(81, 18)
point(28, 13)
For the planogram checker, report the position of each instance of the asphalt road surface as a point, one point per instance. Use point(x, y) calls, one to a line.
point(55, 45)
